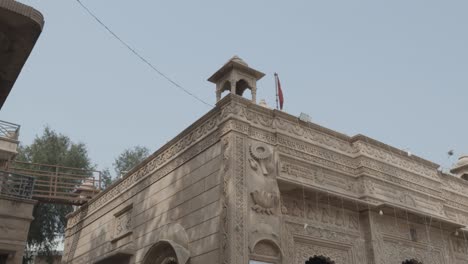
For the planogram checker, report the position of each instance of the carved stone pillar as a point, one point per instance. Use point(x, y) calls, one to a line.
point(233, 86)
point(254, 93)
point(234, 203)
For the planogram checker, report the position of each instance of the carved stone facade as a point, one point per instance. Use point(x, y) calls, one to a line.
point(249, 183)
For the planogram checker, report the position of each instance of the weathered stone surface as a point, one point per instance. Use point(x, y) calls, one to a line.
point(15, 218)
point(247, 182)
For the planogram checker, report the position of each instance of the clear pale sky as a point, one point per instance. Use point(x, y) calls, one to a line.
point(392, 70)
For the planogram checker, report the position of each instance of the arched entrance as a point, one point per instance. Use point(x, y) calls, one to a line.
point(319, 260)
point(161, 253)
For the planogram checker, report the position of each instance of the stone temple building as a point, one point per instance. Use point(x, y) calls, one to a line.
point(249, 184)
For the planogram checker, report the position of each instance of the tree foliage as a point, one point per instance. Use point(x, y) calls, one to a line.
point(106, 178)
point(49, 219)
point(129, 158)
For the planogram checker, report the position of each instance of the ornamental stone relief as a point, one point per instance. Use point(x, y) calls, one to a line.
point(321, 214)
point(225, 176)
point(264, 136)
point(300, 243)
point(400, 250)
point(396, 180)
point(391, 225)
point(262, 185)
point(321, 158)
point(456, 185)
point(264, 202)
point(316, 151)
point(316, 160)
point(340, 255)
point(317, 175)
point(395, 172)
point(395, 160)
point(123, 223)
point(239, 230)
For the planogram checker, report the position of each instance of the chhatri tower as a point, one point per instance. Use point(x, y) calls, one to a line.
point(248, 184)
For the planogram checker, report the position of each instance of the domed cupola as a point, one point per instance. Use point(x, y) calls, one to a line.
point(236, 76)
point(461, 168)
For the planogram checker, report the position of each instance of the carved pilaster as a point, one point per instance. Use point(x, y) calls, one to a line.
point(234, 238)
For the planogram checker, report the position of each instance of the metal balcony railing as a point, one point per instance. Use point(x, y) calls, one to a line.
point(59, 184)
point(9, 130)
point(16, 185)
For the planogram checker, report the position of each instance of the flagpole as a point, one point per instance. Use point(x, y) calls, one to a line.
point(276, 90)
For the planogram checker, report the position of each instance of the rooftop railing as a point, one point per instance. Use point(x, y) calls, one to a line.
point(59, 184)
point(16, 185)
point(9, 130)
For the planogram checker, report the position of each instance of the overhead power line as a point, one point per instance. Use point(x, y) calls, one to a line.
point(132, 50)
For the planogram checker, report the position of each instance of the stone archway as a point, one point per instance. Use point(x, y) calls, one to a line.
point(161, 253)
point(266, 251)
point(319, 260)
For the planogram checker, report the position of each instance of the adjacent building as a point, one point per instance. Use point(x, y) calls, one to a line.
point(249, 184)
point(20, 27)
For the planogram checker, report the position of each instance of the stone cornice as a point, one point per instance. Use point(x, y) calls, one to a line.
point(394, 150)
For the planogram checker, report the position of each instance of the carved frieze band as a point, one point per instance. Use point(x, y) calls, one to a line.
point(397, 161)
point(321, 214)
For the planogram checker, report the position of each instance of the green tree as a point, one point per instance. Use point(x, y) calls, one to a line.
point(49, 219)
point(129, 158)
point(106, 178)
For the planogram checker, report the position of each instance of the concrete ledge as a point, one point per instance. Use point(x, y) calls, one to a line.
point(23, 10)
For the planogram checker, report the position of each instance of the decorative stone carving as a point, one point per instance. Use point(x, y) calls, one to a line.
point(123, 224)
point(400, 250)
point(264, 202)
point(260, 148)
point(225, 176)
point(337, 255)
point(259, 153)
point(322, 214)
point(266, 199)
point(240, 203)
point(405, 198)
point(300, 243)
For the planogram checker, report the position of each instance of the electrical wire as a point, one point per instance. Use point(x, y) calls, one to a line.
point(132, 50)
